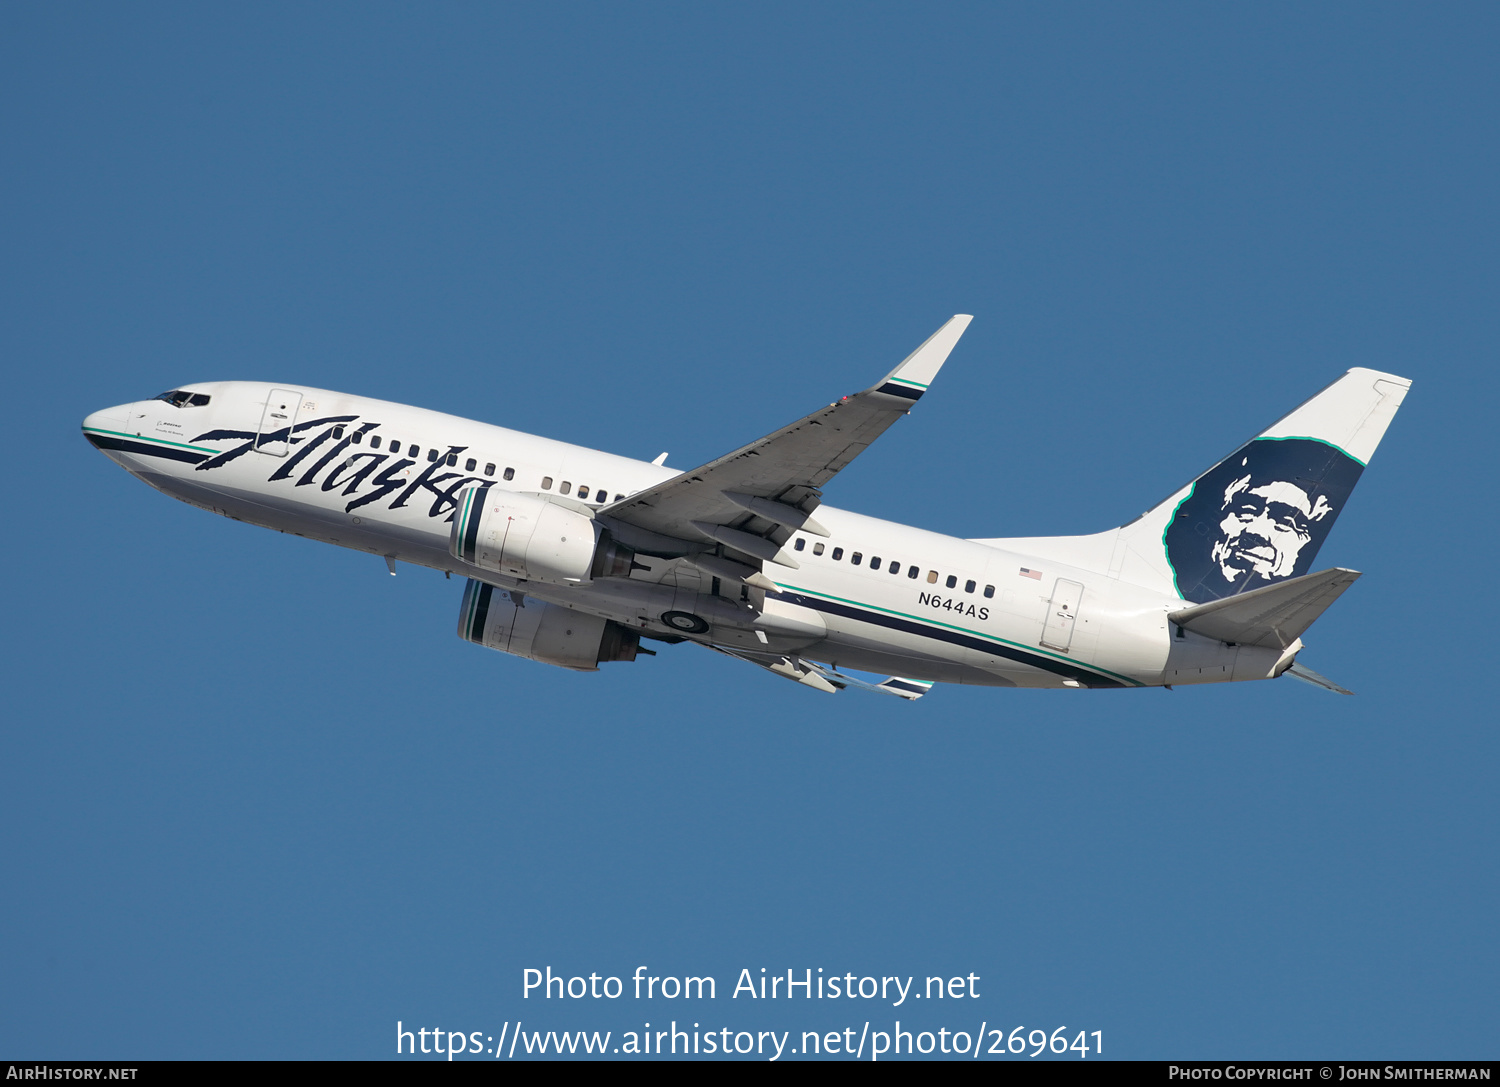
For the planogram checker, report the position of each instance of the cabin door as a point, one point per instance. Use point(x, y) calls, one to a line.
point(276, 422)
point(1062, 613)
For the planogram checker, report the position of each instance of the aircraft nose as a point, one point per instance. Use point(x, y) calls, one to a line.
point(105, 423)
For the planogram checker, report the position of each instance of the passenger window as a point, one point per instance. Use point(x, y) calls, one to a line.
point(375, 442)
point(895, 566)
point(416, 450)
point(968, 586)
point(565, 488)
point(452, 460)
point(583, 490)
point(357, 437)
point(338, 432)
point(875, 562)
point(932, 577)
point(510, 473)
point(469, 465)
point(546, 483)
point(838, 553)
point(801, 543)
point(489, 470)
point(600, 496)
point(989, 591)
point(817, 549)
point(856, 558)
point(431, 456)
point(912, 573)
point(952, 581)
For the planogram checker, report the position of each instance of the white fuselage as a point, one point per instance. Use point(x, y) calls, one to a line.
point(382, 477)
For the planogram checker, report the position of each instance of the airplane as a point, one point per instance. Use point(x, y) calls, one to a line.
point(572, 556)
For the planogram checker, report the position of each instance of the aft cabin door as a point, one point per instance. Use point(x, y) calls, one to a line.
point(1062, 613)
point(276, 422)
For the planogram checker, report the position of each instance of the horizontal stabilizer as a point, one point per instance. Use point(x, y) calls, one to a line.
point(1273, 616)
point(1307, 675)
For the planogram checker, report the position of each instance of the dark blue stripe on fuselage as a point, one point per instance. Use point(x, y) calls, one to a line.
point(900, 390)
point(125, 445)
point(953, 637)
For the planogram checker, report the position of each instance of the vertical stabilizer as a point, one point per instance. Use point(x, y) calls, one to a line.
point(1260, 515)
point(1257, 517)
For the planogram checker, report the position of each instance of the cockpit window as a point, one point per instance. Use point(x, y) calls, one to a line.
point(180, 398)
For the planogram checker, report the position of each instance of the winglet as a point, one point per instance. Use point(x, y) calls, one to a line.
point(909, 689)
point(910, 380)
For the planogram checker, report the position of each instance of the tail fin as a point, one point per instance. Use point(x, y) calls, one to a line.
point(1257, 517)
point(1260, 515)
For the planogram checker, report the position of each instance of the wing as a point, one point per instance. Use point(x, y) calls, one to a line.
point(750, 501)
point(820, 677)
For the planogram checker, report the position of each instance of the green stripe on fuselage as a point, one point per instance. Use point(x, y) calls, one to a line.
point(149, 438)
point(971, 633)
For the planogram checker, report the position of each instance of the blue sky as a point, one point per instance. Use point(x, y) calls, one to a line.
point(259, 801)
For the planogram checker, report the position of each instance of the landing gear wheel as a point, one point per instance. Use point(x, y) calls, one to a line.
point(684, 621)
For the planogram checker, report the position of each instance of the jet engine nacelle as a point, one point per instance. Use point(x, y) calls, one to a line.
point(526, 537)
point(538, 631)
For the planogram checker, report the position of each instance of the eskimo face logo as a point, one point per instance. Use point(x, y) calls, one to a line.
point(1258, 517)
point(1265, 528)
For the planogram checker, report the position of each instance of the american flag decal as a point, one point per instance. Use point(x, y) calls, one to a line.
point(1034, 575)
